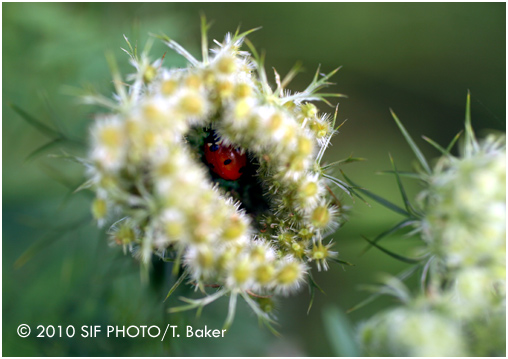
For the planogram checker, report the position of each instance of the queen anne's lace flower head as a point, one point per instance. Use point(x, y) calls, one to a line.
point(461, 218)
point(160, 163)
point(465, 208)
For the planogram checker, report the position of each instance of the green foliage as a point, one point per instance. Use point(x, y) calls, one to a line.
point(340, 333)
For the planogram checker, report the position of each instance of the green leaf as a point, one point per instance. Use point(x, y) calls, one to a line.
point(117, 78)
point(253, 50)
point(342, 185)
point(340, 333)
point(204, 38)
point(402, 276)
point(84, 185)
point(335, 118)
point(178, 48)
point(405, 199)
point(316, 84)
point(178, 259)
point(260, 66)
point(37, 152)
point(334, 94)
point(364, 302)
point(471, 144)
point(392, 254)
point(37, 124)
point(454, 140)
point(312, 286)
point(82, 161)
point(350, 159)
point(312, 291)
point(322, 150)
point(314, 283)
point(425, 271)
point(291, 74)
point(177, 283)
point(436, 145)
point(269, 326)
point(53, 115)
point(380, 200)
point(58, 176)
point(129, 52)
point(411, 143)
point(395, 287)
point(262, 316)
point(401, 174)
point(182, 308)
point(340, 261)
point(388, 232)
point(311, 92)
point(54, 234)
point(239, 36)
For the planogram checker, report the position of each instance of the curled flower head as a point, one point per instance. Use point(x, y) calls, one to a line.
point(212, 165)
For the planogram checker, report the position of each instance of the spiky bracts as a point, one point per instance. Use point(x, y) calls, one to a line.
point(148, 173)
point(461, 217)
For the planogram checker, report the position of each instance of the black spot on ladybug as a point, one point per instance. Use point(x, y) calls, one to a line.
point(214, 147)
point(241, 170)
point(227, 162)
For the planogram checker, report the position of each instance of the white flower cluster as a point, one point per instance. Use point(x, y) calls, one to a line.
point(462, 310)
point(149, 171)
point(411, 332)
point(465, 209)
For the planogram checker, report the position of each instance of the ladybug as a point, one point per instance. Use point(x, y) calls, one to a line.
point(226, 161)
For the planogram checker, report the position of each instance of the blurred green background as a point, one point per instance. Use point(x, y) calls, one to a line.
point(419, 59)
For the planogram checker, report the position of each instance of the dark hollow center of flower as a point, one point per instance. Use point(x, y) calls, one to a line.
point(232, 168)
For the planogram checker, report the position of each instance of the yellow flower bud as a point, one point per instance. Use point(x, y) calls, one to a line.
point(234, 229)
point(241, 272)
point(288, 274)
point(192, 104)
point(174, 229)
point(194, 81)
point(99, 208)
point(305, 146)
point(225, 88)
point(205, 258)
point(111, 137)
point(242, 109)
point(168, 87)
point(264, 273)
point(275, 122)
point(226, 65)
point(309, 110)
point(124, 235)
point(309, 189)
point(149, 74)
point(243, 90)
point(320, 217)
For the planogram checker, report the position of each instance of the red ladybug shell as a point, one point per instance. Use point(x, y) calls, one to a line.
point(226, 161)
